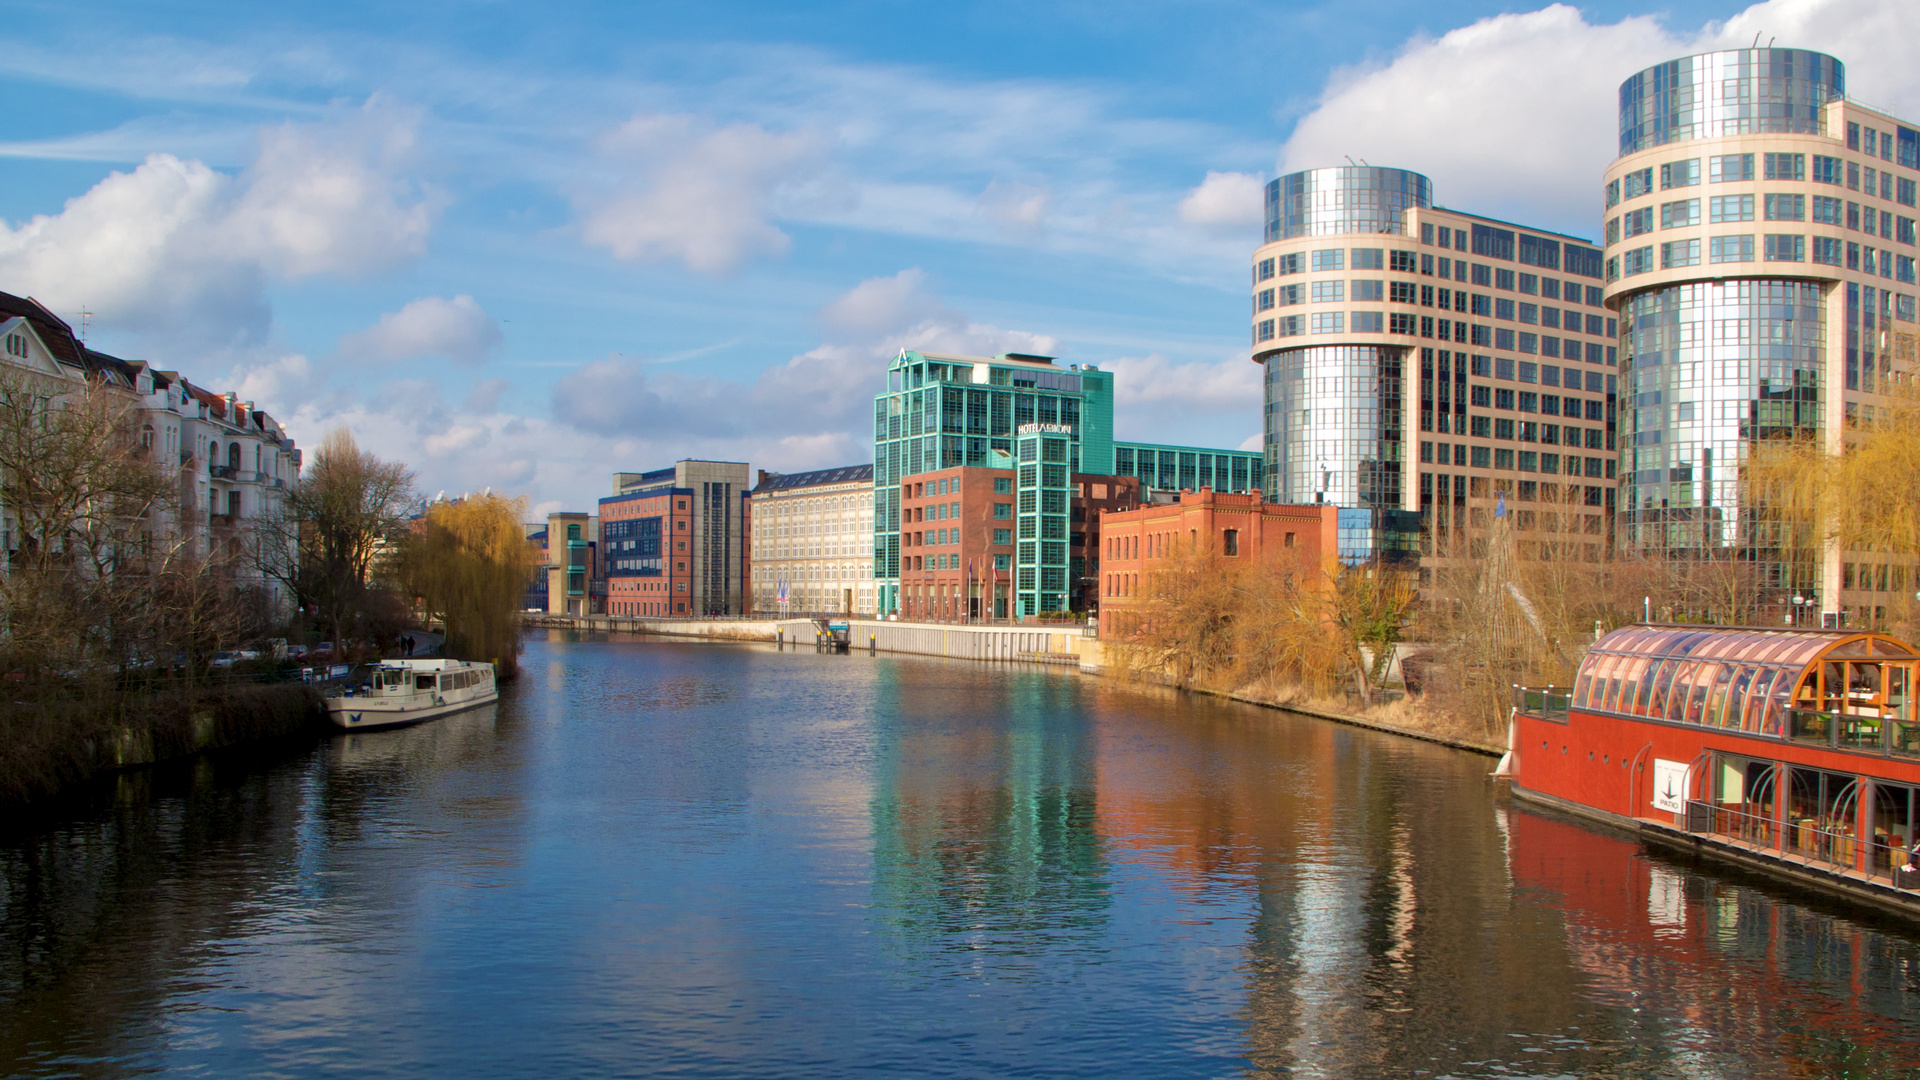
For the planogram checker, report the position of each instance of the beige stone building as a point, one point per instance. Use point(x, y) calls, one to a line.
point(812, 539)
point(1425, 364)
point(1760, 253)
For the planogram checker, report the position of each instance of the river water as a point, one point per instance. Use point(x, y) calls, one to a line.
point(669, 858)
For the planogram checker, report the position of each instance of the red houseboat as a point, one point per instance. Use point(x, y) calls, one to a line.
point(1792, 751)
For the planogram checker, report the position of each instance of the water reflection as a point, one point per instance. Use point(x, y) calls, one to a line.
point(719, 860)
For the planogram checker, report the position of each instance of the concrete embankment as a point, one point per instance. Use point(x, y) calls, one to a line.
point(47, 748)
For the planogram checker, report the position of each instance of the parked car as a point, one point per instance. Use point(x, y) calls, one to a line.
point(228, 658)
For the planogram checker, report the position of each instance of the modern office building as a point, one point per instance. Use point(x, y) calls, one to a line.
point(965, 530)
point(1422, 363)
point(573, 584)
point(811, 540)
point(674, 540)
point(1760, 238)
point(943, 412)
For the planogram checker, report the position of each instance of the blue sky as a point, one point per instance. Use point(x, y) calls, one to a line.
point(527, 247)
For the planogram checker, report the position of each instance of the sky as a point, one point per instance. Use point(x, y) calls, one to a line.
point(523, 248)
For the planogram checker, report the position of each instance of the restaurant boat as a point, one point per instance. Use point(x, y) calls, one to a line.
point(396, 692)
point(1792, 751)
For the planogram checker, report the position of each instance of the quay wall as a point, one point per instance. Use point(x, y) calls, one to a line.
point(1011, 644)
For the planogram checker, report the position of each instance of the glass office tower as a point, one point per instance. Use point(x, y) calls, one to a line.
point(1760, 234)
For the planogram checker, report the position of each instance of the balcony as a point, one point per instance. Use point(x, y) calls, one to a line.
point(223, 472)
point(220, 521)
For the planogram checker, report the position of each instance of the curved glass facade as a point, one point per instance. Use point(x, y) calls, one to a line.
point(1333, 425)
point(1739, 678)
point(1349, 199)
point(1707, 368)
point(1736, 92)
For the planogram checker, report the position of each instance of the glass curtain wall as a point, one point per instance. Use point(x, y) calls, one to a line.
point(1334, 425)
point(1349, 199)
point(1708, 369)
point(1736, 92)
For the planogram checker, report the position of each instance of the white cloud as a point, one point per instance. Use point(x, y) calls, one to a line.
point(705, 198)
point(454, 328)
point(1159, 400)
point(1016, 207)
point(181, 253)
point(882, 304)
point(1228, 199)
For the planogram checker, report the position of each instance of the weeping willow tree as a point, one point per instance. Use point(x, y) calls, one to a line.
point(469, 564)
point(1863, 498)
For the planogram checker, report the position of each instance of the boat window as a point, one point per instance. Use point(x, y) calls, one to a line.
point(446, 682)
point(424, 682)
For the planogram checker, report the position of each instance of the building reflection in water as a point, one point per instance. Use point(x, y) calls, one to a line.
point(983, 814)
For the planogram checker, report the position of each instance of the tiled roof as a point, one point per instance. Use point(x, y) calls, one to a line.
point(845, 474)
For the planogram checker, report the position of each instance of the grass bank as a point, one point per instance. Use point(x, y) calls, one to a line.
point(47, 748)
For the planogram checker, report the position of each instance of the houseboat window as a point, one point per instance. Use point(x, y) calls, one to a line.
point(1893, 810)
point(1717, 699)
point(1821, 814)
point(424, 682)
point(1737, 698)
point(446, 682)
point(1754, 716)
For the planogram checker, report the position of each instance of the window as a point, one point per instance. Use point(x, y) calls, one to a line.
point(1826, 249)
point(1503, 429)
point(1288, 264)
point(1400, 292)
point(1785, 207)
point(1330, 259)
point(1530, 314)
point(1729, 168)
point(1786, 166)
point(1529, 401)
point(1329, 322)
point(1503, 308)
point(1785, 248)
point(1326, 292)
point(1369, 292)
point(1369, 258)
point(1827, 210)
point(1613, 231)
point(1003, 511)
point(1730, 208)
point(1369, 322)
point(1230, 542)
point(1826, 170)
point(1264, 271)
point(1637, 261)
point(1904, 191)
point(1726, 249)
point(1503, 398)
point(1482, 397)
point(1399, 323)
point(1482, 429)
point(1403, 262)
point(1482, 457)
point(1003, 485)
point(1680, 253)
point(1637, 222)
point(1613, 194)
point(1263, 332)
point(1680, 174)
point(1264, 301)
point(1638, 182)
point(1003, 536)
point(1675, 215)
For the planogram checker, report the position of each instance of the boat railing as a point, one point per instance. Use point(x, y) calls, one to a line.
point(1807, 840)
point(1842, 730)
point(1545, 702)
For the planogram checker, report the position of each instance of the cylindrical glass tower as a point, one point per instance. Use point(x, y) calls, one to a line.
point(1735, 92)
point(1334, 425)
point(1349, 199)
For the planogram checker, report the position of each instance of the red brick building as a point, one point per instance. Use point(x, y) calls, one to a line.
point(644, 540)
point(1237, 526)
point(957, 541)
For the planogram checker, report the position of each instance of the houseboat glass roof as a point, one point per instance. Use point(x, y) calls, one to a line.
point(1743, 678)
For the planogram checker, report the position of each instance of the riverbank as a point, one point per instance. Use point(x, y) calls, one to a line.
point(50, 748)
point(1041, 643)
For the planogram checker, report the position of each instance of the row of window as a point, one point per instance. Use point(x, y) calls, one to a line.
point(1459, 331)
point(1531, 461)
point(1739, 168)
point(1774, 247)
point(1407, 292)
point(1526, 371)
point(945, 537)
point(1532, 401)
point(1722, 209)
point(1491, 277)
point(1497, 243)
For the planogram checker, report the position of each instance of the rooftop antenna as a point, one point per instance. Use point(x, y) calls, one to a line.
point(1770, 42)
point(1756, 38)
point(1363, 161)
point(1350, 160)
point(86, 321)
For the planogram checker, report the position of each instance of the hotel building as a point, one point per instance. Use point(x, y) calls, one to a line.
point(943, 412)
point(812, 541)
point(1423, 362)
point(1760, 240)
point(673, 541)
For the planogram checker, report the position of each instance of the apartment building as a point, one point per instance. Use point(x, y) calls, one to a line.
point(811, 538)
point(1424, 362)
point(1760, 239)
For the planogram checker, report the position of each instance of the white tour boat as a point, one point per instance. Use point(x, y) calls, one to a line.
point(397, 692)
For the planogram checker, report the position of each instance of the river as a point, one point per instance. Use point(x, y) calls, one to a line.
point(669, 858)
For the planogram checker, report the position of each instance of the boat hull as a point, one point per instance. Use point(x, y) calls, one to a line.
point(350, 714)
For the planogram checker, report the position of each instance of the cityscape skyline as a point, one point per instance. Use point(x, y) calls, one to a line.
point(345, 237)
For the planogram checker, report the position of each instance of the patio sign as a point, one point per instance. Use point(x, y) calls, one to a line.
point(1669, 785)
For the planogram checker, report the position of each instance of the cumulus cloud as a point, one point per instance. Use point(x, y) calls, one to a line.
point(1210, 401)
point(456, 329)
point(1231, 200)
point(179, 252)
point(702, 197)
point(1016, 207)
point(1514, 115)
